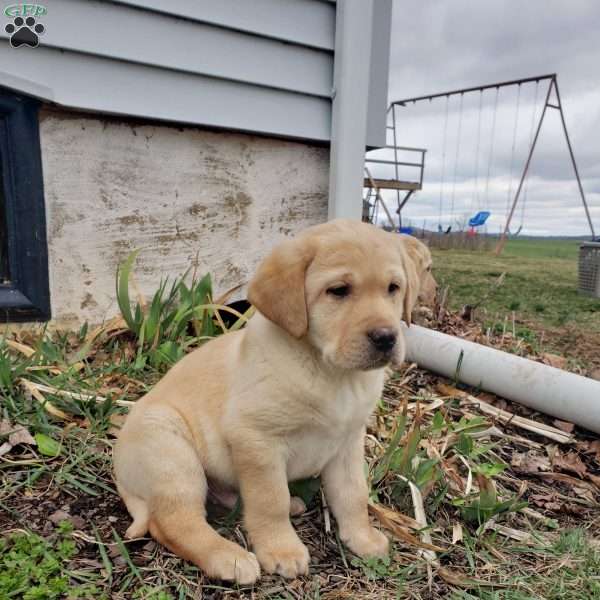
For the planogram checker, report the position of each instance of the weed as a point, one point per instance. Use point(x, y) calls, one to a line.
point(406, 458)
point(177, 316)
point(33, 568)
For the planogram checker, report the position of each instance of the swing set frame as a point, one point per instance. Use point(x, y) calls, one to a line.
point(552, 85)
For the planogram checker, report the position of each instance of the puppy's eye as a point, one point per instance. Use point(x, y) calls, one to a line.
point(341, 291)
point(393, 288)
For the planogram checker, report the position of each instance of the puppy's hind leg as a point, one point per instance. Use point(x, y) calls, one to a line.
point(138, 509)
point(164, 486)
point(181, 526)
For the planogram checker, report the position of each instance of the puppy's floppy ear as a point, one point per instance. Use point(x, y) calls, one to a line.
point(412, 287)
point(416, 250)
point(407, 247)
point(277, 288)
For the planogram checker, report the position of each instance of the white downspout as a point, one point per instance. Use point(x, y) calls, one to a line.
point(353, 36)
point(552, 391)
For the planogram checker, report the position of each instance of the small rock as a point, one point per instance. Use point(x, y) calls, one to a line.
point(595, 374)
point(58, 516)
point(62, 515)
point(112, 519)
point(78, 521)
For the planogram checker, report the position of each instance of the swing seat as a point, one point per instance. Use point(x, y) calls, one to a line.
point(406, 230)
point(479, 219)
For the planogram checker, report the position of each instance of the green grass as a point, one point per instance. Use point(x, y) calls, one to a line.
point(540, 283)
point(542, 248)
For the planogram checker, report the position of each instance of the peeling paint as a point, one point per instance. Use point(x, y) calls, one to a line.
point(179, 194)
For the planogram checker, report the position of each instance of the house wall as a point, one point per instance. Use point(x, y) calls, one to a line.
point(185, 196)
point(260, 66)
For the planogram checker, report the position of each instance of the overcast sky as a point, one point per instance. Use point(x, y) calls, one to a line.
point(442, 45)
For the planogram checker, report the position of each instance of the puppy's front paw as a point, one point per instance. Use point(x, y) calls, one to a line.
point(233, 563)
point(368, 542)
point(286, 556)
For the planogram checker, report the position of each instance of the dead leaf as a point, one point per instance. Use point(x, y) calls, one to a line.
point(17, 434)
point(529, 462)
point(564, 425)
point(591, 448)
point(551, 503)
point(564, 478)
point(396, 524)
point(571, 463)
point(554, 360)
point(20, 435)
point(584, 493)
point(457, 533)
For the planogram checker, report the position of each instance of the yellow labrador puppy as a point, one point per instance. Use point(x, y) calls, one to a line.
point(284, 399)
point(421, 258)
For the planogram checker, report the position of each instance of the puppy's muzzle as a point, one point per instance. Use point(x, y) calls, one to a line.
point(383, 339)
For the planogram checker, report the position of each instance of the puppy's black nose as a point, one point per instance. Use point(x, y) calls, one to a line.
point(383, 338)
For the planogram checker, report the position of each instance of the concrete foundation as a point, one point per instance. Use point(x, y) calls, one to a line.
point(185, 196)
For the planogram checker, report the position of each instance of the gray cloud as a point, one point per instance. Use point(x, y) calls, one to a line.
point(438, 46)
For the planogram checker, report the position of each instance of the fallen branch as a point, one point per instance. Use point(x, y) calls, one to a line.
point(508, 418)
point(39, 387)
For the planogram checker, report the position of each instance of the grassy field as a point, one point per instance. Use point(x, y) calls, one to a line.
point(539, 290)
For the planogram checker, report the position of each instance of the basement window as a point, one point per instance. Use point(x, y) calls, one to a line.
point(24, 293)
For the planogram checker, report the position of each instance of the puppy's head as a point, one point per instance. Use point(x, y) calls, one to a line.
point(420, 255)
point(344, 286)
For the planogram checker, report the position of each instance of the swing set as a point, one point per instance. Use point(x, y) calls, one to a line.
point(405, 189)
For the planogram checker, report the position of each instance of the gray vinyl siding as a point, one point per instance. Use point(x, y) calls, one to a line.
point(305, 22)
point(262, 66)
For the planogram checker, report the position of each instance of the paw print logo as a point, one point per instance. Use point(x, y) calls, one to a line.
point(24, 32)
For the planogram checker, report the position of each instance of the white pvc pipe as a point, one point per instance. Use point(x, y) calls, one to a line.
point(552, 391)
